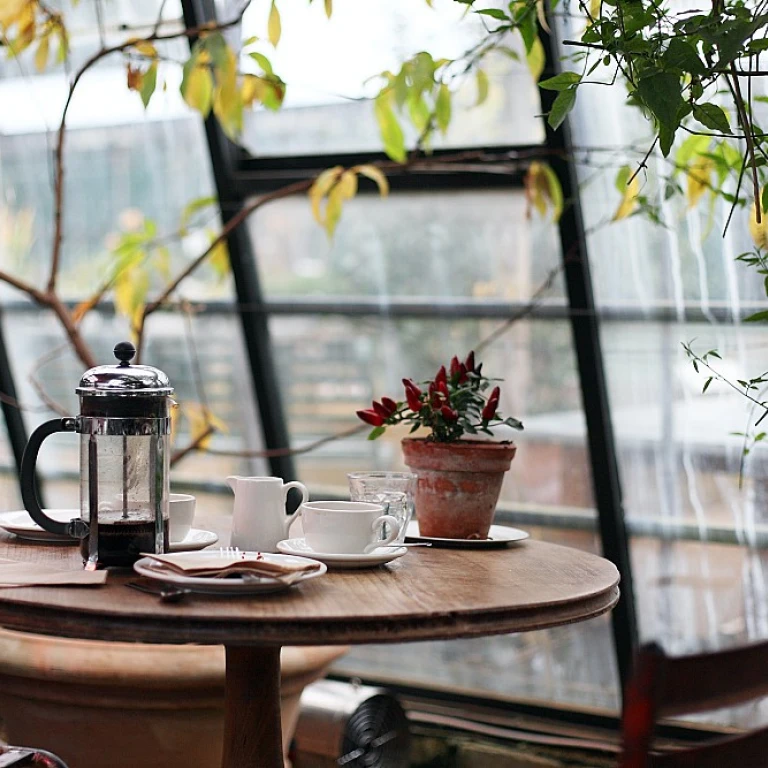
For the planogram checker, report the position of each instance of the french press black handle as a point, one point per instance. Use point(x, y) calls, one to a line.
point(76, 528)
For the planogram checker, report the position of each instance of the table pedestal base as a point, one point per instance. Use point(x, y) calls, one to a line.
point(252, 729)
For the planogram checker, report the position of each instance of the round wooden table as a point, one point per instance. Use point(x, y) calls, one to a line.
point(428, 594)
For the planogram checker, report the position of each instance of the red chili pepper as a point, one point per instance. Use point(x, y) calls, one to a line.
point(389, 404)
point(455, 366)
point(442, 388)
point(448, 413)
point(370, 417)
point(470, 361)
point(441, 376)
point(489, 411)
point(462, 373)
point(413, 395)
point(380, 409)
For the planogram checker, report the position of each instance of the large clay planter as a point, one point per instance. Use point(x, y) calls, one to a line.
point(127, 705)
point(459, 485)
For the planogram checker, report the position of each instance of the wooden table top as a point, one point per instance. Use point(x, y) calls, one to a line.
point(428, 594)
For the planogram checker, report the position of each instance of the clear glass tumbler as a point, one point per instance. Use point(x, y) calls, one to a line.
point(396, 490)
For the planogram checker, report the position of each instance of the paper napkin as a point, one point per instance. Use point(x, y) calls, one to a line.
point(211, 564)
point(25, 574)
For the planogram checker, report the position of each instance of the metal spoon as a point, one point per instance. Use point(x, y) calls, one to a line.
point(166, 594)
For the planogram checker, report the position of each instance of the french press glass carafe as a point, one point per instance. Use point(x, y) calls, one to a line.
point(124, 429)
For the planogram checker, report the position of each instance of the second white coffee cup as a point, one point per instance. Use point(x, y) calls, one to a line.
point(346, 527)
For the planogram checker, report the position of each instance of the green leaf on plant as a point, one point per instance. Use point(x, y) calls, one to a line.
point(712, 116)
point(262, 61)
point(706, 384)
point(148, 84)
point(560, 82)
point(443, 108)
point(482, 87)
point(494, 13)
point(376, 432)
point(757, 317)
point(391, 132)
point(561, 106)
point(661, 93)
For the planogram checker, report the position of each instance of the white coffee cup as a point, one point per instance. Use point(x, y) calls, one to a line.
point(346, 527)
point(181, 511)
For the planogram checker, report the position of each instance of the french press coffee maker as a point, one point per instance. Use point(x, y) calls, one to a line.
point(124, 427)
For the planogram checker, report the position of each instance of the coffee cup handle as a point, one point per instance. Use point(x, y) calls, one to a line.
point(394, 532)
point(304, 497)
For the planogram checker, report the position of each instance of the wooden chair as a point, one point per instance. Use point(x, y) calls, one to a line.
point(663, 686)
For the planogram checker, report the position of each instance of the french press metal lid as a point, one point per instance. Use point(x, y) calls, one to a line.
point(124, 425)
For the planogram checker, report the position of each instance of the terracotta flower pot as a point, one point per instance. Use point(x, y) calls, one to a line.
point(459, 485)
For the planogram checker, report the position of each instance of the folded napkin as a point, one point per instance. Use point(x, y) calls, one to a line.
point(25, 574)
point(220, 566)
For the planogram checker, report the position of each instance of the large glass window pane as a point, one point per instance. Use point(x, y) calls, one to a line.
point(478, 245)
point(330, 69)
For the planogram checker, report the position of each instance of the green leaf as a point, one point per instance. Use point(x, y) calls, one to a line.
point(482, 87)
point(262, 61)
point(494, 13)
point(376, 432)
point(443, 108)
point(561, 106)
point(706, 384)
point(712, 116)
point(682, 55)
point(148, 84)
point(661, 93)
point(560, 82)
point(758, 317)
point(764, 200)
point(191, 208)
point(389, 127)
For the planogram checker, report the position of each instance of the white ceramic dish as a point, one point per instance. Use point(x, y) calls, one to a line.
point(235, 585)
point(379, 556)
point(194, 540)
point(498, 536)
point(22, 525)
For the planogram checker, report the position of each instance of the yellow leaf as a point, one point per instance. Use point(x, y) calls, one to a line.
point(333, 209)
point(759, 232)
point(482, 87)
point(162, 262)
point(542, 16)
point(628, 204)
point(536, 58)
point(41, 54)
point(320, 188)
point(594, 9)
point(373, 173)
point(543, 190)
point(219, 259)
point(145, 49)
point(254, 89)
point(130, 290)
point(274, 28)
point(699, 174)
point(10, 10)
point(197, 89)
point(348, 185)
point(328, 8)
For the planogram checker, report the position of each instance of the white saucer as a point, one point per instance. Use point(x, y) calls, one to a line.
point(234, 585)
point(334, 560)
point(498, 536)
point(194, 540)
point(22, 525)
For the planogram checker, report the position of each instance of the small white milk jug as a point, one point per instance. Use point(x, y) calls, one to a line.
point(259, 520)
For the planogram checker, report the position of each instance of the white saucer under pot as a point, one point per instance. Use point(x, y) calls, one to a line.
point(378, 557)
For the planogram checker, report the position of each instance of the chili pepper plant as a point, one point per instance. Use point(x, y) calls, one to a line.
point(453, 404)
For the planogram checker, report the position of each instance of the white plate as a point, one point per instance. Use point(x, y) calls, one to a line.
point(23, 526)
point(498, 536)
point(228, 586)
point(195, 539)
point(334, 560)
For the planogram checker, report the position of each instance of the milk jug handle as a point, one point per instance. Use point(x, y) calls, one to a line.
point(304, 497)
point(76, 528)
